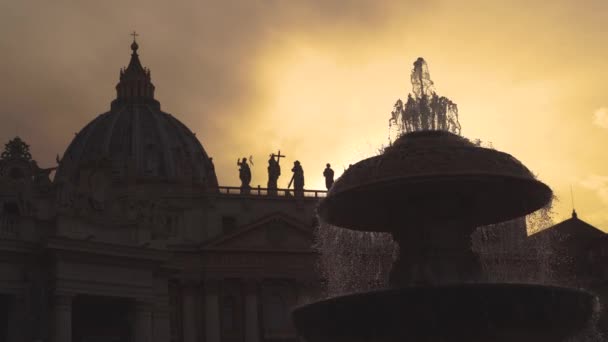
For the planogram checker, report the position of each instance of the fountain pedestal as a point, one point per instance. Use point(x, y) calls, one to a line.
point(435, 254)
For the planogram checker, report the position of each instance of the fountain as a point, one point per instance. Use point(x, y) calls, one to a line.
point(430, 189)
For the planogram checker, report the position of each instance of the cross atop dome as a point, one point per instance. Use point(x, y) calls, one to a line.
point(135, 84)
point(134, 45)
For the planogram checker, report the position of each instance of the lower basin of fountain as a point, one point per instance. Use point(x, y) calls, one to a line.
point(471, 313)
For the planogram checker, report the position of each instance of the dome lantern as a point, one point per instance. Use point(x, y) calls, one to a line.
point(135, 85)
point(136, 140)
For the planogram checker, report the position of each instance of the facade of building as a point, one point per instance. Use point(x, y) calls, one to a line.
point(133, 239)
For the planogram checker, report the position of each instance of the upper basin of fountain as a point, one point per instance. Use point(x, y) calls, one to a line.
point(429, 177)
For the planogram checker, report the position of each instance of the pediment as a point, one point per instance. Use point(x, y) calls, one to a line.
point(276, 232)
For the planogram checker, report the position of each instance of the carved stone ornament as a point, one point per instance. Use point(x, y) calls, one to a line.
point(16, 149)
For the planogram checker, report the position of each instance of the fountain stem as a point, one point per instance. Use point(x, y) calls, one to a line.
point(435, 255)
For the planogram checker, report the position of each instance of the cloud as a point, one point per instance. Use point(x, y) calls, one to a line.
point(598, 184)
point(593, 212)
point(315, 78)
point(600, 117)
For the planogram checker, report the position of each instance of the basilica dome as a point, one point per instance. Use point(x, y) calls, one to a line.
point(136, 140)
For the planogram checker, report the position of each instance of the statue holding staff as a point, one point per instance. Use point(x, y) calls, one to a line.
point(297, 179)
point(274, 171)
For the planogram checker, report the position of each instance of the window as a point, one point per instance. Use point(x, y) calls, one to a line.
point(9, 219)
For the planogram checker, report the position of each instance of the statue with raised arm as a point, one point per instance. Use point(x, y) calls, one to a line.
point(244, 175)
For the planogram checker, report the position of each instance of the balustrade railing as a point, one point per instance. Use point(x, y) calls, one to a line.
point(259, 191)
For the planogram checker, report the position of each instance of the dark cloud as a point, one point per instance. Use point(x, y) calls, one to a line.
point(61, 59)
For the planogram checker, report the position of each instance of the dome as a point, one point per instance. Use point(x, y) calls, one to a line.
point(136, 140)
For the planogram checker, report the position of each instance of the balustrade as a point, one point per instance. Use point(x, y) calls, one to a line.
point(259, 191)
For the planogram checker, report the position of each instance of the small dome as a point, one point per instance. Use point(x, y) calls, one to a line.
point(137, 140)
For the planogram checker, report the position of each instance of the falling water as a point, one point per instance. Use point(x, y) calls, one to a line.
point(353, 261)
point(507, 255)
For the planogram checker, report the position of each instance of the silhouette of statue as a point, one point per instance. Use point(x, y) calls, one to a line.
point(329, 176)
point(274, 171)
point(244, 175)
point(297, 179)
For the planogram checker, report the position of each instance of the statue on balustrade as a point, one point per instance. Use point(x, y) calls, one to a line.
point(274, 171)
point(244, 175)
point(297, 179)
point(328, 173)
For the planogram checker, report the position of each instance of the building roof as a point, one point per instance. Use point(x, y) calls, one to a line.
point(572, 228)
point(136, 139)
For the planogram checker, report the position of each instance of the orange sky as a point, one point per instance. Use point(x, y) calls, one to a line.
point(317, 79)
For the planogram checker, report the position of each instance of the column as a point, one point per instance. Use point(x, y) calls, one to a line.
point(252, 325)
point(189, 311)
point(142, 331)
point(16, 319)
point(62, 318)
point(212, 311)
point(161, 329)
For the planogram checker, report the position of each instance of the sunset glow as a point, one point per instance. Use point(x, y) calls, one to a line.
point(318, 81)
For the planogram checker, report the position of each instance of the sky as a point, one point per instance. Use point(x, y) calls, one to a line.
point(317, 79)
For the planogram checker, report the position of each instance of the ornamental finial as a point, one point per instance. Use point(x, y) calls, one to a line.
point(134, 45)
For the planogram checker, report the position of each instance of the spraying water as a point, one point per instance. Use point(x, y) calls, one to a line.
point(424, 110)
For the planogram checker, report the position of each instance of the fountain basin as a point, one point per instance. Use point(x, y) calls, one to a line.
point(432, 175)
point(471, 313)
